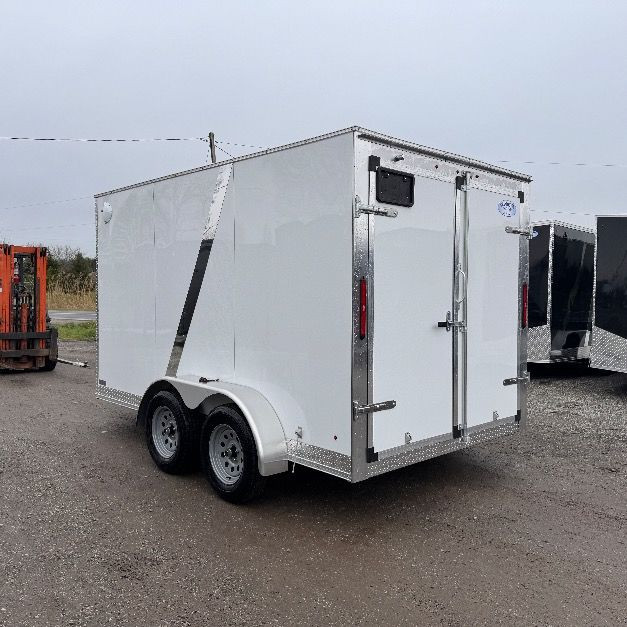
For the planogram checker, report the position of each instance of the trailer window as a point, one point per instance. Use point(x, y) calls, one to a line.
point(539, 276)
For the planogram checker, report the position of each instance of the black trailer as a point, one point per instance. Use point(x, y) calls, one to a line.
point(609, 329)
point(561, 282)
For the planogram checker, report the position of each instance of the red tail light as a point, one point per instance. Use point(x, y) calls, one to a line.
point(363, 308)
point(525, 306)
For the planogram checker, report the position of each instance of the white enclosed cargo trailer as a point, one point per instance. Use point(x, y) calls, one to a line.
point(352, 303)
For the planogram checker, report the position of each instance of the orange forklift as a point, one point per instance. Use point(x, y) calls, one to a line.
point(27, 342)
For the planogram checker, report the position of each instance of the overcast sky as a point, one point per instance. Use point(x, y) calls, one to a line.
point(520, 81)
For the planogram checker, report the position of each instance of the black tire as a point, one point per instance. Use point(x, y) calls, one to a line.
point(172, 455)
point(50, 365)
point(249, 484)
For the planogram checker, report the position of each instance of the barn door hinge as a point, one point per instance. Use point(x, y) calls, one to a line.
point(359, 410)
point(360, 207)
point(524, 379)
point(514, 230)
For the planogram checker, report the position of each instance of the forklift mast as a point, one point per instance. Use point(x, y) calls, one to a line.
point(27, 341)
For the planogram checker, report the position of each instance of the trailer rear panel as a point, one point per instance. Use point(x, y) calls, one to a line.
point(560, 292)
point(447, 352)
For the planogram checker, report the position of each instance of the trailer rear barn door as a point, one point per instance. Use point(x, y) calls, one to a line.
point(413, 274)
point(492, 306)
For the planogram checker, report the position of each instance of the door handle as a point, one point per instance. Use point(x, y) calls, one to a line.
point(359, 410)
point(460, 272)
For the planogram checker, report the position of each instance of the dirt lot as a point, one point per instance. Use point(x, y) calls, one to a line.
point(530, 530)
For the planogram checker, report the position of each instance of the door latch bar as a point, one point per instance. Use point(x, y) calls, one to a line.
point(360, 208)
point(359, 410)
point(524, 379)
point(449, 323)
point(514, 230)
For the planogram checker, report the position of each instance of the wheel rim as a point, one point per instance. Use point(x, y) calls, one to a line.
point(226, 454)
point(165, 433)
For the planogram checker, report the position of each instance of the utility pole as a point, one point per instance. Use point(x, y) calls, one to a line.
point(212, 146)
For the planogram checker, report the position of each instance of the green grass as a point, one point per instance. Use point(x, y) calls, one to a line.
point(77, 331)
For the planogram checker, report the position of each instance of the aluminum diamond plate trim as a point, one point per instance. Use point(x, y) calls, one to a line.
point(118, 397)
point(428, 451)
point(539, 347)
point(333, 463)
point(609, 351)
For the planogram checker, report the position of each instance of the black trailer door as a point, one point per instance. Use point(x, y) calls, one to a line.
point(571, 292)
point(609, 331)
point(539, 276)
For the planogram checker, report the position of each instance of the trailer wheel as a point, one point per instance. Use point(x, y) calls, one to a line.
point(49, 365)
point(229, 456)
point(171, 433)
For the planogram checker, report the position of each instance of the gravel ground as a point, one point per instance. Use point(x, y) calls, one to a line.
point(529, 530)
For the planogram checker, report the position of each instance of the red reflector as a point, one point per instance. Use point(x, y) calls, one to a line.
point(525, 306)
point(363, 308)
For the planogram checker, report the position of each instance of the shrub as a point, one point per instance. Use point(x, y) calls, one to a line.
point(71, 279)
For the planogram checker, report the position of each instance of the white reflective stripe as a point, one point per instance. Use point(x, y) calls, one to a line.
point(215, 207)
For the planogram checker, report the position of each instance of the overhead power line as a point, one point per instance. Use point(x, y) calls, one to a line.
point(49, 226)
point(227, 143)
point(571, 165)
point(225, 152)
point(44, 202)
point(572, 213)
point(123, 139)
point(241, 145)
point(104, 139)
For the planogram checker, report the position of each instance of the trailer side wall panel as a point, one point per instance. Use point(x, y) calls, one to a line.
point(126, 268)
point(293, 286)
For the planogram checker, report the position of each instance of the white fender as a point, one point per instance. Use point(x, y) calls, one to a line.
point(262, 419)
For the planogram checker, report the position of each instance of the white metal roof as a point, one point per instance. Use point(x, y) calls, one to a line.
point(363, 132)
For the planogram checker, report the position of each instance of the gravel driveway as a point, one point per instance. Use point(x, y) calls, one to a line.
point(530, 530)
